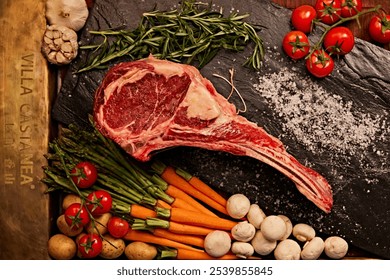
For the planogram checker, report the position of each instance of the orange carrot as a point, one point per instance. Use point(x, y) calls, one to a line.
point(163, 204)
point(179, 203)
point(195, 218)
point(184, 254)
point(143, 236)
point(178, 228)
point(194, 240)
point(178, 193)
point(202, 186)
point(207, 190)
point(141, 212)
point(188, 229)
point(171, 177)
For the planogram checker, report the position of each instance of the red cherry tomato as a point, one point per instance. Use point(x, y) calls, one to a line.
point(320, 64)
point(117, 227)
point(302, 18)
point(99, 202)
point(328, 11)
point(90, 245)
point(296, 44)
point(76, 215)
point(84, 174)
point(339, 40)
point(350, 8)
point(379, 29)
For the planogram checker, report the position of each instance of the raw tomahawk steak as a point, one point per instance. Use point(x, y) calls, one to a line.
point(151, 104)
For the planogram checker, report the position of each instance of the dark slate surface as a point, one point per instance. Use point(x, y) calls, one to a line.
point(358, 174)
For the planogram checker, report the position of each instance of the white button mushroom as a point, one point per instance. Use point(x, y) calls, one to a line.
point(237, 206)
point(70, 13)
point(255, 215)
point(261, 245)
point(273, 228)
point(217, 243)
point(313, 249)
point(242, 249)
point(287, 249)
point(289, 227)
point(336, 247)
point(243, 231)
point(59, 44)
point(303, 232)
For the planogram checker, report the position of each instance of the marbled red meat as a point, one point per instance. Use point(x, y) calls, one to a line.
point(149, 105)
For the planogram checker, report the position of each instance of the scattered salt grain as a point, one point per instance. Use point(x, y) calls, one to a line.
point(321, 120)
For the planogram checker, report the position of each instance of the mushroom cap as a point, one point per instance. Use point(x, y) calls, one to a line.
point(70, 13)
point(261, 245)
point(255, 215)
point(242, 249)
point(238, 205)
point(289, 226)
point(287, 249)
point(273, 228)
point(243, 231)
point(336, 247)
point(313, 249)
point(217, 243)
point(303, 232)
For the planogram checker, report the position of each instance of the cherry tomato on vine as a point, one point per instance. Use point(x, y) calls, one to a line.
point(302, 18)
point(328, 11)
point(117, 227)
point(339, 40)
point(350, 8)
point(296, 44)
point(320, 64)
point(99, 202)
point(379, 29)
point(84, 174)
point(76, 215)
point(90, 245)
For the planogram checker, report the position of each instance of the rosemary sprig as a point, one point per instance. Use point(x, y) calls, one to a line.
point(189, 35)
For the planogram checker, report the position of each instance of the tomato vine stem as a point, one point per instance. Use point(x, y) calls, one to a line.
point(342, 20)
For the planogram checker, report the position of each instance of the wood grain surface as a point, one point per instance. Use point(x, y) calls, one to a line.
point(25, 88)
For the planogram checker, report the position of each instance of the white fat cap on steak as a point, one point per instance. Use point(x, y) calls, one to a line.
point(200, 103)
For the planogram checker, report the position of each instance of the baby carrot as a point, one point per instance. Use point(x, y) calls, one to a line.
point(171, 177)
point(143, 236)
point(178, 228)
point(202, 186)
point(195, 218)
point(183, 238)
point(179, 203)
point(188, 229)
point(163, 204)
point(141, 212)
point(178, 193)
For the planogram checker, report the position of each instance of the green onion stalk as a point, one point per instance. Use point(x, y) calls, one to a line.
point(118, 174)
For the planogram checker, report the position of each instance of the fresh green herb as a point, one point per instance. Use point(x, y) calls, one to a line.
point(118, 174)
point(189, 35)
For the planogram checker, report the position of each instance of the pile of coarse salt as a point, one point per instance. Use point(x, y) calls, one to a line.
point(320, 120)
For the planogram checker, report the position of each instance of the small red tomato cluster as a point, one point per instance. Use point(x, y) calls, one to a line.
point(336, 39)
point(81, 215)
